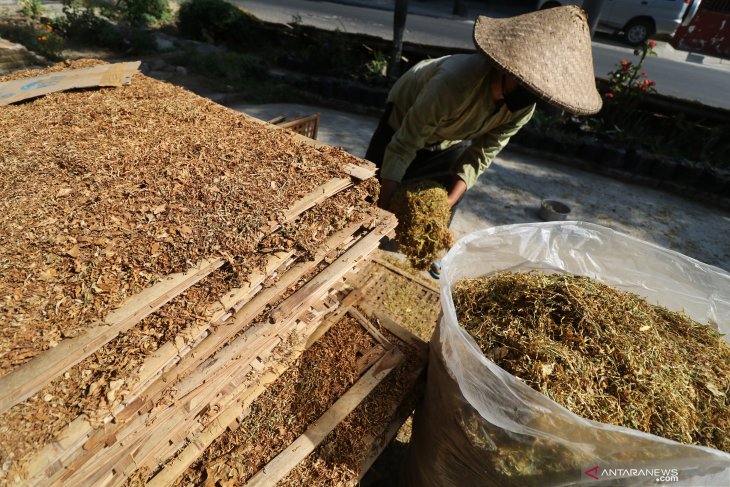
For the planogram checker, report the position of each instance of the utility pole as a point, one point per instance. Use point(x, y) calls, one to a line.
point(399, 27)
point(459, 8)
point(593, 12)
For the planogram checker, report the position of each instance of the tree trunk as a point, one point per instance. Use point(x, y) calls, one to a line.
point(399, 27)
point(459, 8)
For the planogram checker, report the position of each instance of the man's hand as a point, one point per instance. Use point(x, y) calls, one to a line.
point(456, 192)
point(387, 188)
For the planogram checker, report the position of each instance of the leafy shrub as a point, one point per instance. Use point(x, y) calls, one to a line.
point(378, 65)
point(81, 23)
point(330, 52)
point(39, 38)
point(218, 22)
point(144, 11)
point(31, 8)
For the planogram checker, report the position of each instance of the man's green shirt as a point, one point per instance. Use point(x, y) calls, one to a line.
point(440, 102)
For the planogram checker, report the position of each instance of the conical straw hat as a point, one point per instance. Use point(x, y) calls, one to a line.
point(549, 51)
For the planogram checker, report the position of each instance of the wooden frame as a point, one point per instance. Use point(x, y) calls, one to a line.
point(284, 462)
point(239, 409)
point(144, 434)
point(389, 359)
point(306, 126)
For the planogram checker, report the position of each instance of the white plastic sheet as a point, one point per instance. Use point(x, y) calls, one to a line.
point(479, 425)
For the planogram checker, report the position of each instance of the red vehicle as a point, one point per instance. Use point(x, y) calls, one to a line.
point(708, 31)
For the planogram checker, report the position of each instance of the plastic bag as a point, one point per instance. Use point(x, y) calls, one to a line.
point(479, 425)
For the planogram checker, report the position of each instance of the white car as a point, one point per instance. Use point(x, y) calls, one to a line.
point(637, 19)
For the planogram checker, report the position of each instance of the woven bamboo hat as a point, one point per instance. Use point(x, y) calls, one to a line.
point(549, 51)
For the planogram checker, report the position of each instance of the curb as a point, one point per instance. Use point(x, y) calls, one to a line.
point(678, 176)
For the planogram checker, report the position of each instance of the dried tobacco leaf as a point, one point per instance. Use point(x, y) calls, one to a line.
point(605, 354)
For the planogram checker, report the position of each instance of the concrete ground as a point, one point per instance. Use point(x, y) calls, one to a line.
point(513, 187)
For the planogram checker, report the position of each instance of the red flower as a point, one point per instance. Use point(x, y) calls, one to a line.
point(652, 44)
point(609, 95)
point(625, 62)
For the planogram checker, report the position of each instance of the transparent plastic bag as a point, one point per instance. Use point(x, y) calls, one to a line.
point(479, 425)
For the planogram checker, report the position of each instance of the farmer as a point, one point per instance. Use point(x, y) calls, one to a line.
point(446, 119)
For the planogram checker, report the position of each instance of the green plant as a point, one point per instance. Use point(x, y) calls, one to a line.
point(628, 81)
point(545, 119)
point(378, 66)
point(144, 11)
point(626, 87)
point(326, 52)
point(31, 8)
point(81, 23)
point(37, 37)
point(219, 22)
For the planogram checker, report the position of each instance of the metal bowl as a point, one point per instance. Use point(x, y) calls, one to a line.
point(553, 210)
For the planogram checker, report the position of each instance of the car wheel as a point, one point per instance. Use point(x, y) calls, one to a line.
point(638, 31)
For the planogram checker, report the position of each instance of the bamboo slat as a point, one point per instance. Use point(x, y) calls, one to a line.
point(236, 410)
point(39, 464)
point(193, 367)
point(249, 346)
point(338, 268)
point(20, 384)
point(285, 461)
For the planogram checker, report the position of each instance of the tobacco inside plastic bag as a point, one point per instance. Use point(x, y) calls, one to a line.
point(479, 425)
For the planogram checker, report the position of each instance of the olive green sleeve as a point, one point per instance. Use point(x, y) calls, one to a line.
point(479, 156)
point(431, 107)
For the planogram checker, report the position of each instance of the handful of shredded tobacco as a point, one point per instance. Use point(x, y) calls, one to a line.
point(605, 354)
point(423, 213)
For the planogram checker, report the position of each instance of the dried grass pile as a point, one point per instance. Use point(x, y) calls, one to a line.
point(423, 213)
point(606, 355)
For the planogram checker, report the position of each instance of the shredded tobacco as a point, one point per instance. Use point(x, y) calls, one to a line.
point(106, 191)
point(403, 299)
point(605, 354)
point(423, 213)
point(280, 415)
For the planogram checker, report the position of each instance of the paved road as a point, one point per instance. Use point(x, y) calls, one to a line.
point(674, 77)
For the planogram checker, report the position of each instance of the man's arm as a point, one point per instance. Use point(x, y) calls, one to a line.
point(479, 156)
point(457, 190)
point(434, 103)
point(387, 188)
